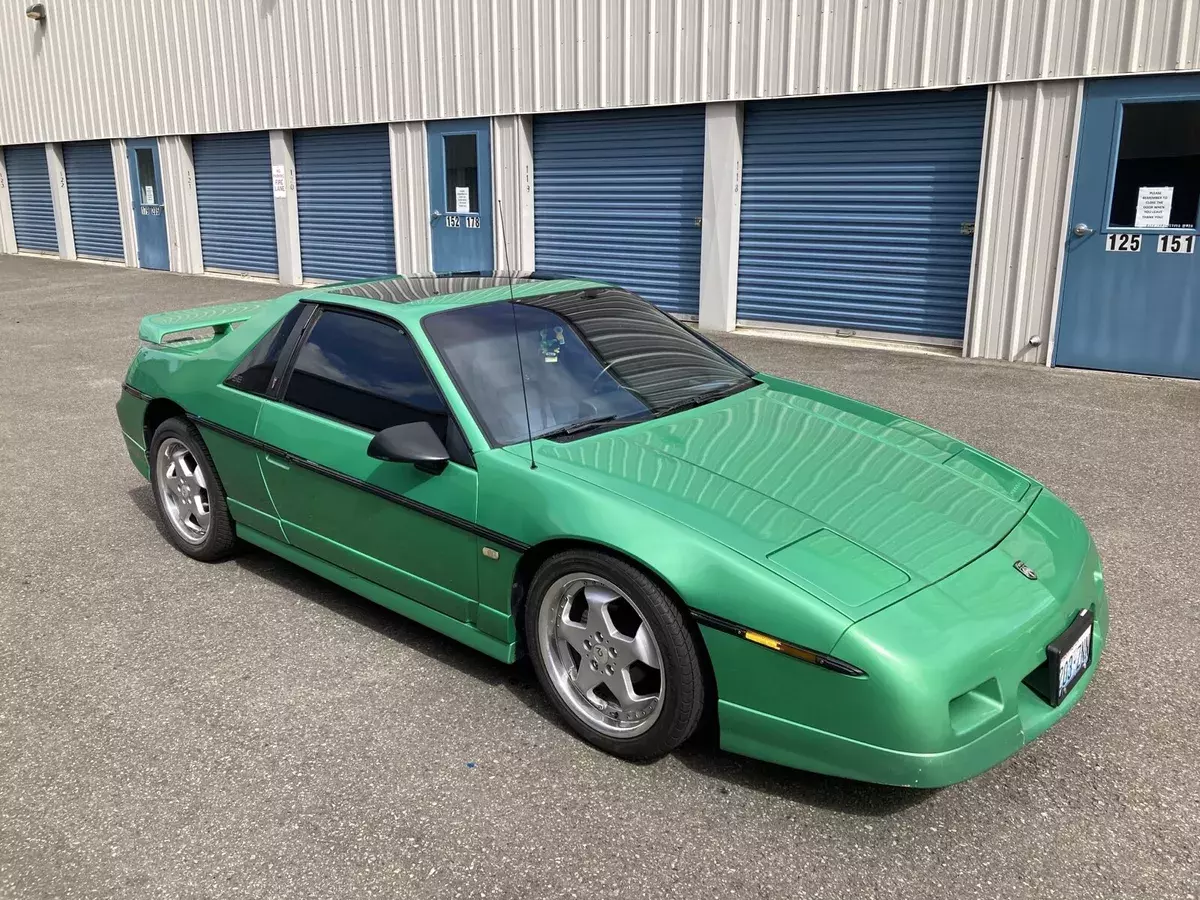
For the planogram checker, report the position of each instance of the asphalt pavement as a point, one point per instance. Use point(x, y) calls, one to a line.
point(170, 729)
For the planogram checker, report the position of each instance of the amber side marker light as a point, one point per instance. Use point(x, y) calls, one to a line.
point(809, 656)
point(787, 648)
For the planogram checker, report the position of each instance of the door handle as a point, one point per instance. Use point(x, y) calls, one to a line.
point(437, 214)
point(276, 461)
point(1082, 230)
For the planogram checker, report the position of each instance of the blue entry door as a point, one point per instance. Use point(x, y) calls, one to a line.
point(149, 213)
point(1131, 282)
point(460, 196)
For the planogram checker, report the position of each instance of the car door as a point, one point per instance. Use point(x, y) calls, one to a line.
point(350, 375)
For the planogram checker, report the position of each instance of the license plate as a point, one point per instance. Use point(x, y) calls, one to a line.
point(1070, 654)
point(1073, 662)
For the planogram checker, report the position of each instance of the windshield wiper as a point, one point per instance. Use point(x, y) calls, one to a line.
point(701, 399)
point(585, 425)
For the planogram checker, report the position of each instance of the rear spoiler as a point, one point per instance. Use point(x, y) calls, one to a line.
point(156, 328)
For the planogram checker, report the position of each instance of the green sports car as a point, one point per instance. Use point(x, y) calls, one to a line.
point(557, 468)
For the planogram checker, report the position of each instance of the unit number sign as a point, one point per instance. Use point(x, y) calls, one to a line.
point(1123, 242)
point(1176, 243)
point(459, 221)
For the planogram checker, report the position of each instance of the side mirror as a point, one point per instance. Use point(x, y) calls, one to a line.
point(414, 443)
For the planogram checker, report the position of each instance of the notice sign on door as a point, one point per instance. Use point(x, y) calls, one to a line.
point(462, 200)
point(1153, 207)
point(279, 181)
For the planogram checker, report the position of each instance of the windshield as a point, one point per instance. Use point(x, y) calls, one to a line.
point(601, 357)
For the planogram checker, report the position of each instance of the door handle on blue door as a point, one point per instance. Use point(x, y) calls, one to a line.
point(1082, 230)
point(437, 214)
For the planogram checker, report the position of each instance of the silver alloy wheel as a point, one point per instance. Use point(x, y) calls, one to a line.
point(601, 655)
point(183, 490)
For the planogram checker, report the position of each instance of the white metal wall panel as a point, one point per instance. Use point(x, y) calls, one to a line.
point(512, 186)
point(31, 199)
point(115, 68)
point(92, 193)
point(410, 196)
point(235, 201)
point(344, 193)
point(1023, 220)
point(853, 210)
point(617, 196)
point(179, 200)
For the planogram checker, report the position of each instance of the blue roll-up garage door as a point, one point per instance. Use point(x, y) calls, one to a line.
point(92, 193)
point(236, 201)
point(617, 197)
point(857, 212)
point(29, 194)
point(344, 191)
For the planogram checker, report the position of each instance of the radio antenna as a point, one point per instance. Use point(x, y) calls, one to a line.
point(512, 305)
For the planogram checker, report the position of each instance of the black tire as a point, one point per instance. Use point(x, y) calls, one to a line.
point(682, 670)
point(219, 540)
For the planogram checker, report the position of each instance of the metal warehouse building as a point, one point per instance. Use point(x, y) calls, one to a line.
point(1016, 177)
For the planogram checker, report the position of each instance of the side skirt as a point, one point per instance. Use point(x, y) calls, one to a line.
point(452, 628)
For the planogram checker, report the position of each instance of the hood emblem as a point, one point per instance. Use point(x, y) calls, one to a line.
point(1025, 570)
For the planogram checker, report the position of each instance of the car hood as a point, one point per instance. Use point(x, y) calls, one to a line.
point(856, 505)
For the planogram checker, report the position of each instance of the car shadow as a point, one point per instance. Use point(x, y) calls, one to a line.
point(701, 755)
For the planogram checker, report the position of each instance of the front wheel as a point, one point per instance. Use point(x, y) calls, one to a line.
point(613, 652)
point(187, 493)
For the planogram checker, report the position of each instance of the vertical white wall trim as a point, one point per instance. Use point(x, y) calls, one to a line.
point(983, 196)
point(512, 185)
point(125, 202)
point(182, 211)
point(1065, 223)
point(1029, 167)
point(287, 210)
point(8, 234)
point(1026, 253)
point(410, 196)
point(62, 206)
point(722, 216)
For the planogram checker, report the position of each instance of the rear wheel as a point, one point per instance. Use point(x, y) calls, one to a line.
point(613, 652)
point(187, 493)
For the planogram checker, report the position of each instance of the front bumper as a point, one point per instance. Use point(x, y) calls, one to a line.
point(944, 696)
point(767, 737)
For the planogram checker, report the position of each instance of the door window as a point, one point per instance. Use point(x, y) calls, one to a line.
point(462, 174)
point(366, 373)
point(148, 183)
point(253, 373)
point(1157, 181)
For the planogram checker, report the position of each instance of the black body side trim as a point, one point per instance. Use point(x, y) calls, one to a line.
point(130, 389)
point(400, 499)
point(796, 651)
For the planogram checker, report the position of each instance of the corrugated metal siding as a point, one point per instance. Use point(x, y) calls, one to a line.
point(111, 68)
point(92, 193)
point(852, 210)
point(31, 199)
point(1023, 222)
point(617, 196)
point(344, 196)
point(235, 201)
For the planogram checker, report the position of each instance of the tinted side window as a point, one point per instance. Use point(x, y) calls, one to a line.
point(365, 373)
point(253, 373)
